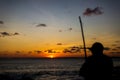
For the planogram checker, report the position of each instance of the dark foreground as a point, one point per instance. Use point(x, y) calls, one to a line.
point(33, 76)
point(116, 73)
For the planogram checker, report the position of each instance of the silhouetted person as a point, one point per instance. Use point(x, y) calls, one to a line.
point(98, 66)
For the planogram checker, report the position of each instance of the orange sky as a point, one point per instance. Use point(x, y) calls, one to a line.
point(44, 29)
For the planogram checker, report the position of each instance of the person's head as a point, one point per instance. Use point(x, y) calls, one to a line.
point(97, 48)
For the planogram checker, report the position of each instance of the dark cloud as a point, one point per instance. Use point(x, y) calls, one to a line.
point(29, 52)
point(1, 22)
point(3, 34)
point(114, 49)
point(74, 49)
point(106, 48)
point(95, 11)
point(118, 47)
point(70, 29)
point(77, 49)
point(117, 41)
point(50, 51)
point(16, 33)
point(114, 45)
point(38, 51)
point(66, 51)
point(59, 43)
point(41, 25)
point(60, 30)
point(18, 52)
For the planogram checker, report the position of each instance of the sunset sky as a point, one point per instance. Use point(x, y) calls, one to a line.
point(46, 28)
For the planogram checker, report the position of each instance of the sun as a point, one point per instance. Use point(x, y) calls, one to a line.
point(51, 56)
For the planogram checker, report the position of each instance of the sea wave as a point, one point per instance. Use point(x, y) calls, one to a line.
point(42, 75)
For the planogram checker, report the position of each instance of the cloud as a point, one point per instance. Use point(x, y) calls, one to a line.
point(41, 25)
point(59, 43)
point(77, 49)
point(1, 22)
point(29, 52)
point(60, 30)
point(117, 41)
point(18, 52)
point(3, 34)
point(70, 29)
point(38, 51)
point(114, 49)
point(74, 49)
point(114, 45)
point(106, 48)
point(118, 47)
point(66, 51)
point(95, 11)
point(50, 51)
point(16, 33)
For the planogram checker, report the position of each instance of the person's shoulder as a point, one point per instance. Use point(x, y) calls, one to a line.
point(99, 57)
point(108, 58)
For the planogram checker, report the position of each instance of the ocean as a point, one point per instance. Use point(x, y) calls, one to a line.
point(43, 69)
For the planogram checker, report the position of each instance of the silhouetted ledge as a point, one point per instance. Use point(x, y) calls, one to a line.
point(116, 73)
